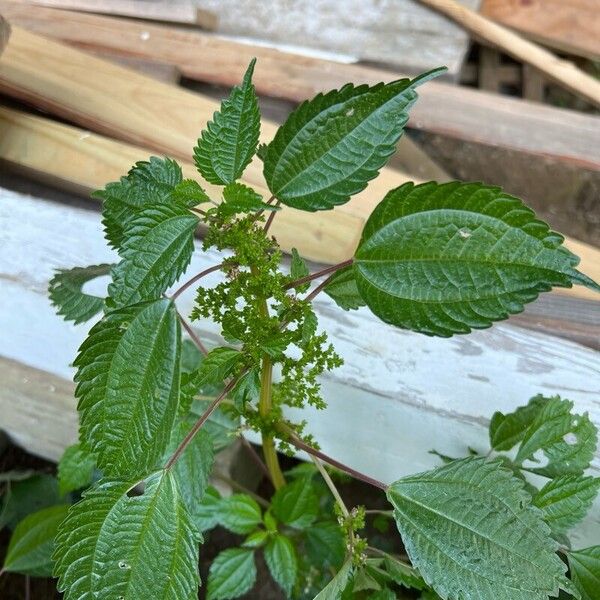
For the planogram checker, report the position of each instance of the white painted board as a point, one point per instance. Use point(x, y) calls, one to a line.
point(397, 396)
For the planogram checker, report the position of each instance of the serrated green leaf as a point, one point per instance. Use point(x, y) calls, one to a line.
point(27, 496)
point(331, 146)
point(189, 193)
point(207, 513)
point(299, 269)
point(31, 544)
point(156, 250)
point(567, 440)
point(280, 556)
point(214, 369)
point(261, 151)
point(191, 357)
point(585, 571)
point(239, 513)
point(222, 426)
point(447, 258)
point(127, 407)
point(364, 580)
point(247, 389)
point(256, 539)
point(66, 293)
point(148, 183)
point(325, 545)
point(193, 468)
point(506, 431)
point(403, 574)
point(231, 574)
point(343, 290)
point(470, 530)
point(276, 345)
point(75, 469)
point(334, 589)
point(565, 501)
point(115, 544)
point(228, 143)
point(239, 198)
point(296, 504)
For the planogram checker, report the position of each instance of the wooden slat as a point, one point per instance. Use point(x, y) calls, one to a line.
point(397, 396)
point(401, 33)
point(523, 128)
point(38, 409)
point(82, 161)
point(562, 72)
point(571, 26)
point(574, 319)
point(154, 10)
point(157, 70)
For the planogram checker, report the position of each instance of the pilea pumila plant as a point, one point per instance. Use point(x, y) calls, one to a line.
point(155, 405)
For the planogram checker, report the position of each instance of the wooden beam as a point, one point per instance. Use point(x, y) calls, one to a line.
point(169, 12)
point(82, 161)
point(384, 398)
point(162, 71)
point(572, 27)
point(25, 390)
point(571, 318)
point(562, 72)
point(523, 128)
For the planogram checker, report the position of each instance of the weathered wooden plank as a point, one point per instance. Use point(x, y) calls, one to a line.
point(38, 409)
point(570, 27)
point(384, 398)
point(406, 34)
point(157, 70)
point(82, 162)
point(143, 111)
point(575, 319)
point(154, 10)
point(522, 128)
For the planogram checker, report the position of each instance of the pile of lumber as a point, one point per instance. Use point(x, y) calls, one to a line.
point(83, 96)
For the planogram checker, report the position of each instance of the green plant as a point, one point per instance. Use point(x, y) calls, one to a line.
point(154, 408)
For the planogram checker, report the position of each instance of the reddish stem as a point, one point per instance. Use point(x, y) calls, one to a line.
point(318, 274)
point(193, 335)
point(338, 465)
point(195, 278)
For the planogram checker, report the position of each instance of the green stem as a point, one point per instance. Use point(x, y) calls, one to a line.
point(334, 491)
point(265, 405)
point(264, 408)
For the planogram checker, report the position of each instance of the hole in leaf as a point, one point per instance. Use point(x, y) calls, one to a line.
point(137, 490)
